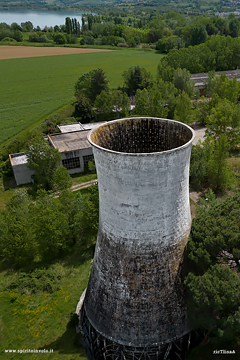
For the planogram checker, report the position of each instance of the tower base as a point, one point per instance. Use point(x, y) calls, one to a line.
point(98, 347)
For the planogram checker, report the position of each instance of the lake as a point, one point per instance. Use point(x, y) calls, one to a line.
point(39, 17)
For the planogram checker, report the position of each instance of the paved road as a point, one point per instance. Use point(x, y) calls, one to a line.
point(199, 133)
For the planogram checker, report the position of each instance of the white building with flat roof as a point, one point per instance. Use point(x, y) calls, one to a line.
point(73, 145)
point(22, 173)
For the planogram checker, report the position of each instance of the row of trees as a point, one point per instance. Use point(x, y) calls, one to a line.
point(218, 53)
point(153, 97)
point(12, 31)
point(169, 31)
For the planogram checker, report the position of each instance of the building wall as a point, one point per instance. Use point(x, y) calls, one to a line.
point(22, 174)
point(77, 154)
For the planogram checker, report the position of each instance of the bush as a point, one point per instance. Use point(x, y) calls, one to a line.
point(82, 41)
point(44, 39)
point(122, 45)
point(41, 279)
point(8, 39)
point(59, 38)
point(89, 40)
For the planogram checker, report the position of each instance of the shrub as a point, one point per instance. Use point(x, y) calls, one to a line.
point(8, 39)
point(42, 279)
point(122, 45)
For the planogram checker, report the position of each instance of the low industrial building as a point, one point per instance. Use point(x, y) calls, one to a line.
point(73, 145)
point(201, 78)
point(75, 149)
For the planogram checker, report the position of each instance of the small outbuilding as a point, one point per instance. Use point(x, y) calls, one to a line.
point(22, 174)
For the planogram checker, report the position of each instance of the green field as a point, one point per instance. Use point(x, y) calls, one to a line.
point(44, 320)
point(32, 88)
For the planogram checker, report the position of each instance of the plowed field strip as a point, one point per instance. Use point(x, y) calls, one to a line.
point(14, 52)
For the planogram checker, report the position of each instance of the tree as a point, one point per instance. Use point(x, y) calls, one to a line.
point(135, 78)
point(213, 280)
point(165, 72)
point(169, 95)
point(111, 105)
point(89, 210)
point(15, 26)
point(62, 180)
point(167, 43)
point(224, 119)
point(182, 81)
point(83, 109)
point(91, 84)
point(17, 35)
point(222, 26)
point(183, 107)
point(195, 34)
point(198, 166)
point(59, 38)
point(44, 160)
point(51, 227)
point(209, 166)
point(234, 27)
point(56, 28)
point(27, 26)
point(204, 108)
point(17, 238)
point(219, 172)
point(198, 34)
point(222, 86)
point(215, 301)
point(149, 102)
point(68, 25)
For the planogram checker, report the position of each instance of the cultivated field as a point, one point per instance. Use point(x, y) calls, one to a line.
point(32, 88)
point(15, 52)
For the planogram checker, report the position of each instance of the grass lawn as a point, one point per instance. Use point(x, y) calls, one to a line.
point(45, 320)
point(81, 178)
point(32, 88)
point(7, 187)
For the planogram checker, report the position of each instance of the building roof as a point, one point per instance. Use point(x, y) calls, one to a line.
point(78, 126)
point(18, 159)
point(71, 141)
point(200, 78)
point(90, 126)
point(70, 127)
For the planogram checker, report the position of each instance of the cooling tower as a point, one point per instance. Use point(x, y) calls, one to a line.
point(134, 306)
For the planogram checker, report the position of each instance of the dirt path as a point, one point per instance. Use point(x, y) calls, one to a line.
point(14, 52)
point(83, 185)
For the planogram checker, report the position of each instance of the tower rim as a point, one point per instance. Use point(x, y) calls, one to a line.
point(124, 153)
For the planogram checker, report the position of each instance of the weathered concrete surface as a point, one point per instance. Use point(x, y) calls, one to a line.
point(135, 293)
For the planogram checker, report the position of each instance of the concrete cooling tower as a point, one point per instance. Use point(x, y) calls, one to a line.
point(134, 306)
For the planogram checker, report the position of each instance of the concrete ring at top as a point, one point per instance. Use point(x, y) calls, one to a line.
point(141, 135)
